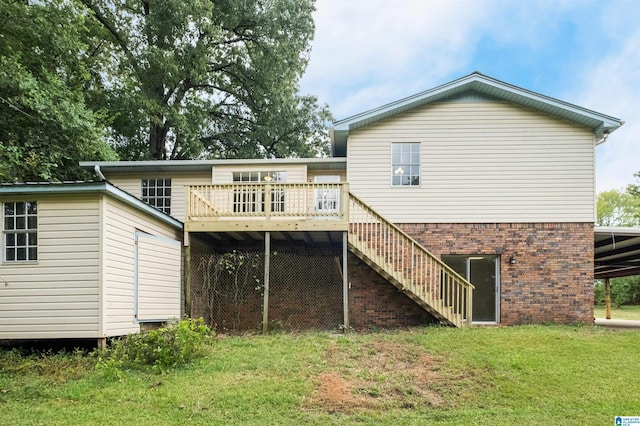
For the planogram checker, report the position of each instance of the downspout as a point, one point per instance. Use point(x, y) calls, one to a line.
point(96, 168)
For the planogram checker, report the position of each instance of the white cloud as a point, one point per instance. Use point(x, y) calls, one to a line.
point(400, 46)
point(370, 52)
point(613, 87)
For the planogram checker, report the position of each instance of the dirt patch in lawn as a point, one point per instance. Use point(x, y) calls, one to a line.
point(382, 374)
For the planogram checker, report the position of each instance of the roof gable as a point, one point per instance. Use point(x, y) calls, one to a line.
point(480, 86)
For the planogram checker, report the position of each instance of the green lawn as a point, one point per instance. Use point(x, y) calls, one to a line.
point(629, 312)
point(541, 375)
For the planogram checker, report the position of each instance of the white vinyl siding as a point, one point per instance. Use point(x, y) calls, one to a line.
point(480, 162)
point(313, 173)
point(158, 278)
point(120, 225)
point(57, 296)
point(132, 184)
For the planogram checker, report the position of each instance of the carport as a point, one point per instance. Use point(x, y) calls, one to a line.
point(616, 254)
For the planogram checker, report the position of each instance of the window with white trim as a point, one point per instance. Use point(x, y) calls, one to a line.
point(20, 231)
point(251, 200)
point(157, 193)
point(266, 177)
point(405, 163)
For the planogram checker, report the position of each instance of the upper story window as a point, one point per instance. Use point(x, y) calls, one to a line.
point(157, 193)
point(405, 164)
point(20, 231)
point(251, 199)
point(266, 177)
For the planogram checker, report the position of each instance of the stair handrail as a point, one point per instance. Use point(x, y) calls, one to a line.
point(462, 292)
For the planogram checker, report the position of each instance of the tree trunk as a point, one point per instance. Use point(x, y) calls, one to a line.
point(157, 141)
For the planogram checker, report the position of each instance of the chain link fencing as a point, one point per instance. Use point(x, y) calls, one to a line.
point(305, 289)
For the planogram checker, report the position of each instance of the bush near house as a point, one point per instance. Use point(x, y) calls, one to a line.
point(161, 349)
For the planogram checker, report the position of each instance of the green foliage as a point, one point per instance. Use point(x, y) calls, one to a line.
point(624, 291)
point(160, 349)
point(53, 367)
point(206, 78)
point(634, 189)
point(46, 126)
point(617, 208)
point(227, 281)
point(536, 375)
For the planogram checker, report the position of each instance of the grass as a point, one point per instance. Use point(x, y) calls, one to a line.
point(483, 376)
point(627, 312)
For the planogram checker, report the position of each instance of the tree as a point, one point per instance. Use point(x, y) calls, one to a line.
point(206, 78)
point(634, 191)
point(617, 208)
point(45, 124)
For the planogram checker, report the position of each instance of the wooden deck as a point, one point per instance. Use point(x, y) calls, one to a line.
point(246, 207)
point(329, 207)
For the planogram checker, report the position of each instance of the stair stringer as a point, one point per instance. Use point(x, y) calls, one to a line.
point(408, 266)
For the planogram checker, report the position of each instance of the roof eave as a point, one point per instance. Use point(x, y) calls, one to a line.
point(601, 124)
point(86, 188)
point(201, 165)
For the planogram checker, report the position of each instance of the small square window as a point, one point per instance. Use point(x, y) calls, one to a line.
point(157, 193)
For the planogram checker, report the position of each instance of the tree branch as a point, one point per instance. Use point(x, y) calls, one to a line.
point(113, 31)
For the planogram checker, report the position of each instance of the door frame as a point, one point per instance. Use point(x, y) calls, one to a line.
point(497, 261)
point(318, 193)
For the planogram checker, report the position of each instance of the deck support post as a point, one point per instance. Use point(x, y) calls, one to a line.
point(187, 275)
point(607, 297)
point(265, 302)
point(345, 282)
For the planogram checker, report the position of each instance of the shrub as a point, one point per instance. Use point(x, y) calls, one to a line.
point(161, 349)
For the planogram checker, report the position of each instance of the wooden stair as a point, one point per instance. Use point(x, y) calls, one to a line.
point(409, 266)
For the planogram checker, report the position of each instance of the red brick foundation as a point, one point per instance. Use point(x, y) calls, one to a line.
point(375, 303)
point(552, 279)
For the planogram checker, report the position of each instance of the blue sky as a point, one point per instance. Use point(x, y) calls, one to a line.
point(370, 52)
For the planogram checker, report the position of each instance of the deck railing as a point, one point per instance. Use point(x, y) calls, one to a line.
point(381, 244)
point(408, 265)
point(267, 201)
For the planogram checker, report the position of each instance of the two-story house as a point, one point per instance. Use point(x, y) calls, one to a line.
point(472, 202)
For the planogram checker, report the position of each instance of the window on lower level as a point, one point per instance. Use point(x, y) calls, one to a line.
point(20, 231)
point(157, 193)
point(405, 164)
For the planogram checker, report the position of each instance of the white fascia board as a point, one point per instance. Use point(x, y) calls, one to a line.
point(481, 83)
point(617, 230)
point(186, 165)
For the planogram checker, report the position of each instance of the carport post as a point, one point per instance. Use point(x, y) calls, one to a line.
point(607, 298)
point(265, 303)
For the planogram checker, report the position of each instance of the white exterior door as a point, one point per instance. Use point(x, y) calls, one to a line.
point(327, 200)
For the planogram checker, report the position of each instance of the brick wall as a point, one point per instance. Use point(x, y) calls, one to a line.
point(552, 279)
point(375, 303)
